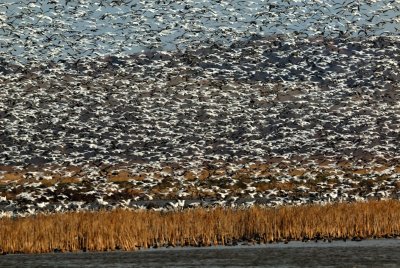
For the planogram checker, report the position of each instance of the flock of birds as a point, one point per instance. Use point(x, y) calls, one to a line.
point(64, 30)
point(144, 84)
point(276, 182)
point(259, 99)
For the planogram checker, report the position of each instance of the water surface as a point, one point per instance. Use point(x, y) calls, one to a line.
point(368, 253)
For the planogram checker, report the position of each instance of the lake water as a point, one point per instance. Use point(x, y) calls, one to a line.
point(367, 253)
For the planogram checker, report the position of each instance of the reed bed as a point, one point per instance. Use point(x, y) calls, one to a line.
point(132, 230)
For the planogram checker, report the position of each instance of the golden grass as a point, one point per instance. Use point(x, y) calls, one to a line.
point(131, 230)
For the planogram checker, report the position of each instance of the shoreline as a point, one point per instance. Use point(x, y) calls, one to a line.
point(123, 230)
point(368, 242)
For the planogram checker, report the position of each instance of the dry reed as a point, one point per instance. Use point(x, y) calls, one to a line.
point(131, 230)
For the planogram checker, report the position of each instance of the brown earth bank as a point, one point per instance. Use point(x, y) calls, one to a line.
point(132, 230)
